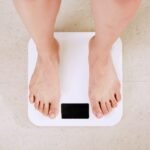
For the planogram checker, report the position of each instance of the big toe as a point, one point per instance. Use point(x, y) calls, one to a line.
point(53, 109)
point(96, 108)
point(46, 109)
point(31, 98)
point(118, 96)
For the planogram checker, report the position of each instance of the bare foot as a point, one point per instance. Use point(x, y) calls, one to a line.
point(104, 85)
point(44, 84)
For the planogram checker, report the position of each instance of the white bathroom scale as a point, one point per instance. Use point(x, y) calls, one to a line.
point(74, 108)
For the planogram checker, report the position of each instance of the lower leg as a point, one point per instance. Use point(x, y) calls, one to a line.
point(111, 17)
point(39, 17)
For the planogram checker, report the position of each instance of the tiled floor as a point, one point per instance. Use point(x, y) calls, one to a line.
point(16, 132)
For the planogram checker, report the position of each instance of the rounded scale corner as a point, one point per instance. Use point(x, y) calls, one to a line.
point(30, 42)
point(120, 42)
point(33, 122)
point(115, 123)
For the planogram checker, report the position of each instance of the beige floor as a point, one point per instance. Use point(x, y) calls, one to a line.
point(17, 133)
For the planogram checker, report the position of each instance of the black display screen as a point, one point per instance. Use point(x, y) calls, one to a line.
point(75, 111)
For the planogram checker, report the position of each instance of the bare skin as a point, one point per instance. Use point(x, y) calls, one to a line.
point(104, 85)
point(39, 16)
point(44, 84)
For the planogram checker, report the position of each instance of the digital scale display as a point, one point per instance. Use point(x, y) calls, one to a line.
point(75, 111)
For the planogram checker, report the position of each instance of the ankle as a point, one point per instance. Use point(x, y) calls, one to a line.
point(47, 43)
point(47, 48)
point(48, 51)
point(104, 42)
point(48, 59)
point(99, 51)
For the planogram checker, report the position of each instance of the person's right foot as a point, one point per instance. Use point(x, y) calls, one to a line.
point(44, 84)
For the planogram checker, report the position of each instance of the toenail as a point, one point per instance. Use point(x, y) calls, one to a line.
point(52, 115)
point(99, 115)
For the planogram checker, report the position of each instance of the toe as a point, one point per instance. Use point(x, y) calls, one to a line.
point(103, 107)
point(109, 107)
point(113, 102)
point(31, 98)
point(46, 108)
point(53, 109)
point(36, 104)
point(96, 109)
point(41, 106)
point(118, 96)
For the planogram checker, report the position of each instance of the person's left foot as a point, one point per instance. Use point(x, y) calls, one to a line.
point(104, 85)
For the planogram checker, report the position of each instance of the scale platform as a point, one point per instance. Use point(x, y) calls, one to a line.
point(75, 109)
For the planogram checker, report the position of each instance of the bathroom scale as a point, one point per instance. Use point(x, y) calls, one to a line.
point(74, 107)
